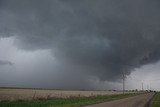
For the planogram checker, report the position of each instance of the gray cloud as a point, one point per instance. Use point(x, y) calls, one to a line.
point(102, 38)
point(2, 63)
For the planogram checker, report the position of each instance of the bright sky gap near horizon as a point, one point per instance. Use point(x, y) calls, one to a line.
point(80, 44)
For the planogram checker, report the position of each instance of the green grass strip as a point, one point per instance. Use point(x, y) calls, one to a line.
point(156, 100)
point(62, 102)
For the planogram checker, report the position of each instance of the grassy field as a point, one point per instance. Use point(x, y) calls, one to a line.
point(65, 102)
point(156, 100)
point(29, 94)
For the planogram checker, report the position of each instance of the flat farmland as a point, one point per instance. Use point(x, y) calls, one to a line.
point(29, 94)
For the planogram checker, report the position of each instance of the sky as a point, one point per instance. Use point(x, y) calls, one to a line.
point(80, 44)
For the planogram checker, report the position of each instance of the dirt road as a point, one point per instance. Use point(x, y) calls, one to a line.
point(136, 101)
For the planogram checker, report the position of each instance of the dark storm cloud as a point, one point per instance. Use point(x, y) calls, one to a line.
point(3, 62)
point(102, 38)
